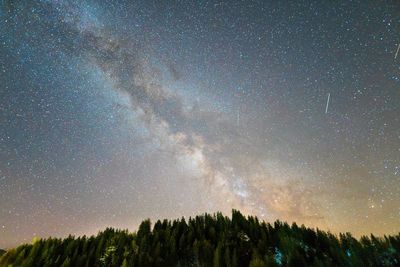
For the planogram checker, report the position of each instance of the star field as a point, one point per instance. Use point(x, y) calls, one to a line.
point(113, 112)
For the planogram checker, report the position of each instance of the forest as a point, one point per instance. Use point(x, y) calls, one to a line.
point(209, 240)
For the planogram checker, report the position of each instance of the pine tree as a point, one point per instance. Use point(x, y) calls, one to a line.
point(125, 263)
point(209, 241)
point(257, 262)
point(66, 263)
point(227, 257)
point(218, 256)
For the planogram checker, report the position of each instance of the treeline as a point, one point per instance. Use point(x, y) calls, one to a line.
point(209, 240)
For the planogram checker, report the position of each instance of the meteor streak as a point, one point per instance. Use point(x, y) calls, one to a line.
point(327, 103)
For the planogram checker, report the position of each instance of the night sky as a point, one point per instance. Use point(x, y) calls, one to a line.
point(114, 112)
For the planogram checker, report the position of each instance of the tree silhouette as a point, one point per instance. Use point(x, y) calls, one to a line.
point(209, 240)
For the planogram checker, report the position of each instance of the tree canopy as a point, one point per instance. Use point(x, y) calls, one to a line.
point(209, 240)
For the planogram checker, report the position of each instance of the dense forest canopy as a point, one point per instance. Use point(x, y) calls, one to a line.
point(209, 240)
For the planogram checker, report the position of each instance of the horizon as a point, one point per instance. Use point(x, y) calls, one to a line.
point(111, 113)
point(134, 229)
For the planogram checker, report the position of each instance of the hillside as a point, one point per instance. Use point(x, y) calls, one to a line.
point(209, 240)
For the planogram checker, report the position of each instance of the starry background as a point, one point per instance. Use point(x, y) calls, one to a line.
point(113, 112)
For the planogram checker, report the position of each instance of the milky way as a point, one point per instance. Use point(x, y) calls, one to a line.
point(111, 113)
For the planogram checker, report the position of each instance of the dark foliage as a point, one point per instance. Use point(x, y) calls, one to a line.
point(2, 252)
point(209, 240)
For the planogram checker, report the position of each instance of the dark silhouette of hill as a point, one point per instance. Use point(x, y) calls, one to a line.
point(209, 240)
